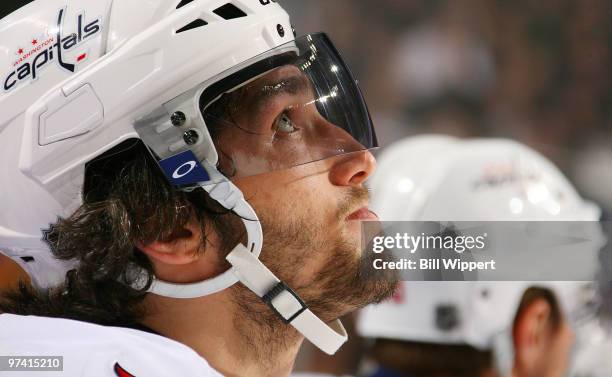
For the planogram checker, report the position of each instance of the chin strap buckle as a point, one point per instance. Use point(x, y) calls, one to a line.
point(284, 302)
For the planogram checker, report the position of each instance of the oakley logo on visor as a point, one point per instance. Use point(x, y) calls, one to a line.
point(184, 169)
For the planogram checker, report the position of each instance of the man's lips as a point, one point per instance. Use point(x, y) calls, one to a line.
point(362, 213)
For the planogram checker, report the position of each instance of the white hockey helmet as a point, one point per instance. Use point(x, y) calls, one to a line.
point(478, 179)
point(81, 77)
point(440, 178)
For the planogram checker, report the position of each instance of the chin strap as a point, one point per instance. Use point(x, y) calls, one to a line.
point(230, 197)
point(286, 303)
point(249, 270)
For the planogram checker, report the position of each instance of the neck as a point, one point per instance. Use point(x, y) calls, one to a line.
point(236, 333)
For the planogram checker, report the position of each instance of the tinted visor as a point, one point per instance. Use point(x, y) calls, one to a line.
point(294, 107)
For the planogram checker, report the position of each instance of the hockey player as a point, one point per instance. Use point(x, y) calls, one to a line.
point(198, 172)
point(474, 329)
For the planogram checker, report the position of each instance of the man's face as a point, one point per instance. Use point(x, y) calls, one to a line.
point(304, 177)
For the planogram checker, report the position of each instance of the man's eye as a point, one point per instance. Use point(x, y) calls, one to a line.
point(285, 124)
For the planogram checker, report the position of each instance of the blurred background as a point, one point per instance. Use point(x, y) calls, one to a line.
point(532, 70)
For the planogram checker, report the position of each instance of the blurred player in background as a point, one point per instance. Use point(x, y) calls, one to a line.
point(475, 329)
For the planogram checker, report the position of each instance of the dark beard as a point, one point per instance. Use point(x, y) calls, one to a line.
point(338, 288)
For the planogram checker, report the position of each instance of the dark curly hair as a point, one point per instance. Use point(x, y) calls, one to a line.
point(126, 200)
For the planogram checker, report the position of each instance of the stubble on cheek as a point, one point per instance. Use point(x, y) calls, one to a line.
point(308, 242)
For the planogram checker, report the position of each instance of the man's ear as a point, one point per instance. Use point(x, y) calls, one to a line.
point(180, 248)
point(532, 333)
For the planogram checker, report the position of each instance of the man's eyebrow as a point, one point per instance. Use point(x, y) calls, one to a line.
point(294, 84)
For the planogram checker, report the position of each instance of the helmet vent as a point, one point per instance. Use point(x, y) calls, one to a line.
point(192, 25)
point(183, 3)
point(229, 11)
point(27, 259)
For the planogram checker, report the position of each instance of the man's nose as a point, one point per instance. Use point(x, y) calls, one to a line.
point(352, 169)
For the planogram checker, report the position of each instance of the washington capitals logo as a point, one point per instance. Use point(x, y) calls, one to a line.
point(46, 49)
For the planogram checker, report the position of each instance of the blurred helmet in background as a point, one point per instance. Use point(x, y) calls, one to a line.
point(441, 178)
